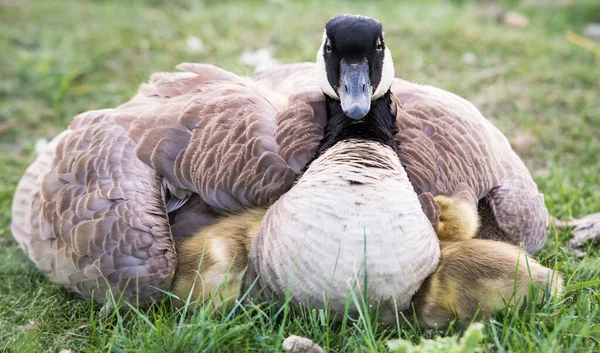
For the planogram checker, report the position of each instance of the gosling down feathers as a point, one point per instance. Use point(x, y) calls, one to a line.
point(102, 207)
point(474, 277)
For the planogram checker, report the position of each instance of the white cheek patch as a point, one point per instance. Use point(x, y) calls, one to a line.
point(387, 75)
point(322, 72)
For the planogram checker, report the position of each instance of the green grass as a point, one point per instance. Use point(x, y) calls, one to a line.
point(60, 58)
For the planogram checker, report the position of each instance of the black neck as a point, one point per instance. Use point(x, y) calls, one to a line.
point(379, 125)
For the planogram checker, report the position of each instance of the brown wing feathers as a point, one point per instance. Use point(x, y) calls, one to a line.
point(449, 148)
point(92, 212)
point(98, 220)
point(223, 142)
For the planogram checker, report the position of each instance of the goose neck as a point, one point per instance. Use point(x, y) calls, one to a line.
point(379, 125)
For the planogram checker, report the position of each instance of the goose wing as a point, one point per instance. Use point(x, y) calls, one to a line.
point(232, 141)
point(99, 210)
point(448, 147)
point(91, 215)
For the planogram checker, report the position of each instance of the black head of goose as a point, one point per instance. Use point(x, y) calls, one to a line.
point(355, 71)
point(352, 220)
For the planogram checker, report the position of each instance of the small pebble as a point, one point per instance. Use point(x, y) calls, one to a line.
point(194, 45)
point(592, 31)
point(514, 19)
point(301, 345)
point(469, 58)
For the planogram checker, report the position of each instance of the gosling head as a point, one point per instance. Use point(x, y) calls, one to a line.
point(354, 65)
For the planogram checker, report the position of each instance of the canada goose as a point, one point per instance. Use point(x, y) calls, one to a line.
point(352, 221)
point(101, 208)
point(353, 212)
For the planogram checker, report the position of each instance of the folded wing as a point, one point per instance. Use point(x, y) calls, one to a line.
point(448, 147)
point(100, 210)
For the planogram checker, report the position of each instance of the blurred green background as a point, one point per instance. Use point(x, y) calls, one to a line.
point(526, 65)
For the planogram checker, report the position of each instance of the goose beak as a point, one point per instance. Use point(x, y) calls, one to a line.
point(355, 90)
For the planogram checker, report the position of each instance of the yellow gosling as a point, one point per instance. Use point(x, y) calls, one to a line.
point(478, 274)
point(458, 218)
point(212, 262)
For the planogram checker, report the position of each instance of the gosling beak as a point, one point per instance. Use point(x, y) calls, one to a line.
point(355, 89)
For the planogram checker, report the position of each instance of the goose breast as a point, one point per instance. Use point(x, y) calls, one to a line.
point(355, 203)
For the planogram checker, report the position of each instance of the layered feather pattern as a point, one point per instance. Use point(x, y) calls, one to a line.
point(99, 209)
point(448, 147)
point(93, 217)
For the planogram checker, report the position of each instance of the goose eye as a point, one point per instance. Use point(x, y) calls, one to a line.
point(328, 46)
point(378, 45)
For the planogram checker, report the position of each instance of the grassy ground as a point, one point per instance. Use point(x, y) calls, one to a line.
point(59, 58)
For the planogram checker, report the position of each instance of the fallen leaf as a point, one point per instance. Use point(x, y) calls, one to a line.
point(469, 342)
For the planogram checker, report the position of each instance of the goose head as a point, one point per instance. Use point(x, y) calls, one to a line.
point(354, 66)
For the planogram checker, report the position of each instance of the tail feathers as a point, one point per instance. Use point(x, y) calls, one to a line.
point(27, 202)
